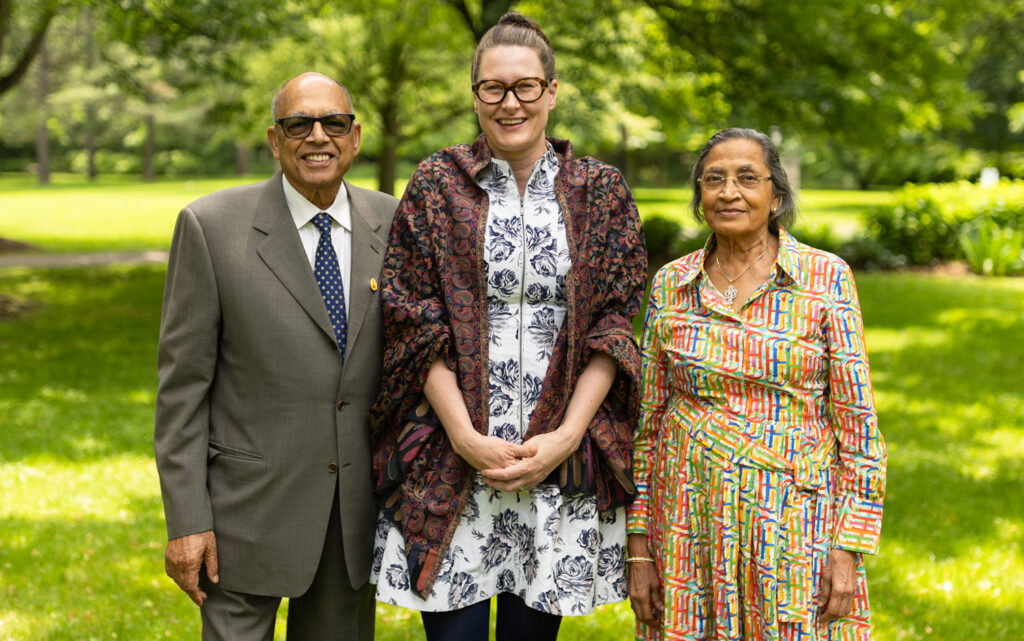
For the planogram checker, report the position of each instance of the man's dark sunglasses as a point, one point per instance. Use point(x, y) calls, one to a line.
point(335, 125)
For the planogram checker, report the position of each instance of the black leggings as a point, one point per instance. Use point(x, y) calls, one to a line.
point(516, 622)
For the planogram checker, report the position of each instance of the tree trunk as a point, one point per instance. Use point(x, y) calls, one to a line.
point(388, 161)
point(90, 106)
point(148, 175)
point(625, 167)
point(90, 142)
point(42, 133)
point(241, 159)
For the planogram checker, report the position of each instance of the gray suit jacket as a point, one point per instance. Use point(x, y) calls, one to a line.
point(257, 421)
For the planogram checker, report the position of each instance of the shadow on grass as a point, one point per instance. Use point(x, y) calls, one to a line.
point(939, 512)
point(951, 376)
point(78, 372)
point(92, 578)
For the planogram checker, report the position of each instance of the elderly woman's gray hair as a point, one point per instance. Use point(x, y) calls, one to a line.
point(786, 212)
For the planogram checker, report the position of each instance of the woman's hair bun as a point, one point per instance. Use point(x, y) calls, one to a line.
point(519, 20)
point(516, 30)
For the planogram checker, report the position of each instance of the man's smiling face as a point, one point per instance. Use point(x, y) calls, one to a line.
point(314, 165)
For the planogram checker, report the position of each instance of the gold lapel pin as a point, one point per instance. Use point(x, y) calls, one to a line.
point(373, 284)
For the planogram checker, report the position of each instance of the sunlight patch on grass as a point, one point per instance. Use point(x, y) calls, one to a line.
point(112, 214)
point(40, 488)
point(979, 572)
point(880, 340)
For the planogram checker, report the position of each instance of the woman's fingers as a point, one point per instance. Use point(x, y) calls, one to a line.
point(645, 594)
point(838, 585)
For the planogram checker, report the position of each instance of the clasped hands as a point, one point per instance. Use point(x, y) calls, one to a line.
point(513, 467)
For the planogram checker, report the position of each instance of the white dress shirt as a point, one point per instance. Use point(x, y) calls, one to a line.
point(303, 213)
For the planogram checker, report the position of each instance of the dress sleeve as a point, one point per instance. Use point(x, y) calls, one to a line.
point(862, 453)
point(653, 405)
point(416, 326)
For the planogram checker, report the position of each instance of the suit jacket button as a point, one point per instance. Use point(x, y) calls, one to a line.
point(341, 405)
point(332, 468)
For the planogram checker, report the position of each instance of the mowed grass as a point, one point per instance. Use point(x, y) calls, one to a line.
point(81, 524)
point(119, 213)
point(116, 213)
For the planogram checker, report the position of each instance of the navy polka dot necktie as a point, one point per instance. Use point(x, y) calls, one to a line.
point(328, 277)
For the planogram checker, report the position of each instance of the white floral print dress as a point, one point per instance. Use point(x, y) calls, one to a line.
point(557, 553)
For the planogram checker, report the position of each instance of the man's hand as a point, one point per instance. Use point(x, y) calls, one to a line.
point(184, 557)
point(838, 585)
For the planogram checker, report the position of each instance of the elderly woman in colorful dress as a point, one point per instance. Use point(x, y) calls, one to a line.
point(760, 468)
point(503, 430)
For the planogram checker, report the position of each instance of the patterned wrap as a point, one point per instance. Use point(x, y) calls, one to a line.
point(758, 449)
point(435, 305)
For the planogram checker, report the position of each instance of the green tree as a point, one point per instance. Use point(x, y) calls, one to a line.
point(867, 79)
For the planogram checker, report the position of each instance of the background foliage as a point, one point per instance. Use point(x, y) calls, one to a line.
point(862, 93)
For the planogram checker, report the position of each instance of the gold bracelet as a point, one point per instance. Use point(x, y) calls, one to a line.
point(638, 559)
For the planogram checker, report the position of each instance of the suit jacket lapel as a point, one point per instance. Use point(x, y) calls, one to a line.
point(367, 254)
point(282, 251)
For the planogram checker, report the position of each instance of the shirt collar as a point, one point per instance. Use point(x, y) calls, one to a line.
point(303, 211)
point(549, 161)
point(476, 157)
point(789, 261)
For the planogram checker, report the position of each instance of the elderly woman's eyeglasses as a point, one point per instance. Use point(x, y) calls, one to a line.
point(335, 125)
point(714, 182)
point(492, 92)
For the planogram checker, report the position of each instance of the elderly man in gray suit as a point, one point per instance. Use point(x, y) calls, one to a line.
point(269, 359)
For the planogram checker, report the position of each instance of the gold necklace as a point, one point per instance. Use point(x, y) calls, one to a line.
point(730, 292)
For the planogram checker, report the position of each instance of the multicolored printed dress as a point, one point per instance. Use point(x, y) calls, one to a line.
point(758, 449)
point(558, 553)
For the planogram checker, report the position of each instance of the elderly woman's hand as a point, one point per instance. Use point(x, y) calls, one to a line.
point(645, 593)
point(838, 585)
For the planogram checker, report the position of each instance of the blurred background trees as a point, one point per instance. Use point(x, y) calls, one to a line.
point(861, 94)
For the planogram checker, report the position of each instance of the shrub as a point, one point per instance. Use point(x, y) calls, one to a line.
point(667, 240)
point(663, 236)
point(992, 250)
point(866, 253)
point(820, 237)
point(924, 222)
point(861, 252)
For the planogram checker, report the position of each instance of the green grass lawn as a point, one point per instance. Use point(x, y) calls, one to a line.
point(81, 525)
point(121, 213)
point(116, 213)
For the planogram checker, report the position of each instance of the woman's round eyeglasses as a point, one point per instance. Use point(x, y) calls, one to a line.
point(492, 92)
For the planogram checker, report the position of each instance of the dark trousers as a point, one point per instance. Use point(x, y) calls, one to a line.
point(515, 622)
point(330, 610)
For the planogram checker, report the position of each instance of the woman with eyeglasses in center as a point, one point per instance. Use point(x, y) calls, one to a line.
point(759, 463)
point(503, 430)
